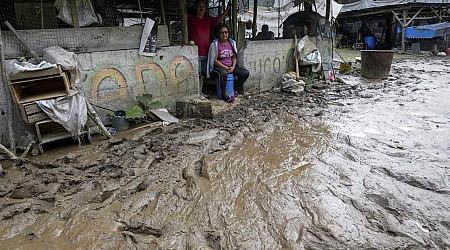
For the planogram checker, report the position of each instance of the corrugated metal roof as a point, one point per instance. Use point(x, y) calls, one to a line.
point(428, 31)
point(369, 4)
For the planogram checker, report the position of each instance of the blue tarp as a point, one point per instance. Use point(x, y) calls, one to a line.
point(428, 31)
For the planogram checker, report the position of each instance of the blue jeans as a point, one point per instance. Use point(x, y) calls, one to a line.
point(202, 62)
point(241, 73)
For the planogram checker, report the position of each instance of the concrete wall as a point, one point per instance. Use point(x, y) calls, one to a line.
point(267, 61)
point(116, 76)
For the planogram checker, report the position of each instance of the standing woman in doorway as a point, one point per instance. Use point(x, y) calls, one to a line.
point(199, 27)
point(222, 58)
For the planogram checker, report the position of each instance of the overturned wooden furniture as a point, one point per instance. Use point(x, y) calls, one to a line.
point(31, 86)
point(37, 85)
point(50, 131)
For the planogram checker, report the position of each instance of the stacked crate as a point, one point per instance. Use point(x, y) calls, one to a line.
point(31, 86)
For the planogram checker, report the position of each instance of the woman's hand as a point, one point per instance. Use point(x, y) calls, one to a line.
point(230, 69)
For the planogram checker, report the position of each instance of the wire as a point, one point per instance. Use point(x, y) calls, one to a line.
point(98, 106)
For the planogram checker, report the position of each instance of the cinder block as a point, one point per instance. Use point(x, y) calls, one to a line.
point(194, 107)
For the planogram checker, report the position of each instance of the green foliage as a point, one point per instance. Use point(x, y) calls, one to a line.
point(135, 112)
point(147, 103)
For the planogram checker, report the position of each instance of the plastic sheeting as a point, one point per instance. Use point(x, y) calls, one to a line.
point(321, 6)
point(428, 31)
point(370, 4)
point(26, 66)
point(86, 14)
point(308, 54)
point(68, 61)
point(70, 111)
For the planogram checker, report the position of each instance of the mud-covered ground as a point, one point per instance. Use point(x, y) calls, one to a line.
point(354, 166)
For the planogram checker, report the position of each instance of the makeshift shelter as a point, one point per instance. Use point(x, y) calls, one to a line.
point(395, 16)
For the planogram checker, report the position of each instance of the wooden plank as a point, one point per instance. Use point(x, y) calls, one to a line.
point(23, 113)
point(37, 117)
point(32, 113)
point(31, 108)
point(35, 74)
point(87, 39)
point(22, 41)
point(43, 96)
point(36, 79)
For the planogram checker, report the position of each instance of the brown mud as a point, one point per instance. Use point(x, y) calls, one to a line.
point(353, 166)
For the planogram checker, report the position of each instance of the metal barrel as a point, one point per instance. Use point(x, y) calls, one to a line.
point(119, 120)
point(376, 63)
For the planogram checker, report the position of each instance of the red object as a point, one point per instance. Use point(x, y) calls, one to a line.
point(331, 76)
point(447, 51)
point(199, 30)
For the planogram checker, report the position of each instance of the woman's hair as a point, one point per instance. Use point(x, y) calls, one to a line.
point(220, 27)
point(197, 1)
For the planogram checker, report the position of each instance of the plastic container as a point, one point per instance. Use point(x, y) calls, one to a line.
point(152, 44)
point(229, 87)
point(415, 48)
point(371, 42)
point(376, 64)
point(119, 120)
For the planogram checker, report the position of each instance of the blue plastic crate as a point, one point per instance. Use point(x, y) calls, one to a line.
point(229, 87)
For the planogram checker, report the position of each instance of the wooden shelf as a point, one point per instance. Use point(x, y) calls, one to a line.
point(50, 131)
point(38, 85)
point(32, 113)
point(43, 96)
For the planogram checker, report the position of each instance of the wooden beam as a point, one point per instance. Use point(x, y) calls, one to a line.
point(255, 14)
point(328, 8)
point(74, 12)
point(234, 8)
point(415, 15)
point(404, 30)
point(184, 29)
point(35, 56)
point(396, 17)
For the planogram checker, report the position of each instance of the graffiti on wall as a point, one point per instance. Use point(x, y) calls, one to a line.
point(270, 64)
point(148, 77)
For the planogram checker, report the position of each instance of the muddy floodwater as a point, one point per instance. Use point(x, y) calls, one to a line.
point(361, 165)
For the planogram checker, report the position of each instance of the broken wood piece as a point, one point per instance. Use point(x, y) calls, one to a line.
point(97, 119)
point(153, 124)
point(10, 154)
point(297, 71)
point(34, 54)
point(30, 144)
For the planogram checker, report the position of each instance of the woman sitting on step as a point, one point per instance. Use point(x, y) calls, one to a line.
point(222, 58)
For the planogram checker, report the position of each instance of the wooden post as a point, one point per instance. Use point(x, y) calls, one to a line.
point(234, 18)
point(297, 71)
point(404, 30)
point(163, 12)
point(255, 14)
point(184, 29)
point(328, 10)
point(5, 80)
point(74, 11)
point(42, 14)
